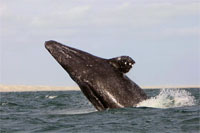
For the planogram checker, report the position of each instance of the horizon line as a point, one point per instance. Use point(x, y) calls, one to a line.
point(25, 88)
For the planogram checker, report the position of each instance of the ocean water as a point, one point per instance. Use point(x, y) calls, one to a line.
point(166, 111)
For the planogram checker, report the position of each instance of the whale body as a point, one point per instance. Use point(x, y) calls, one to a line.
point(102, 81)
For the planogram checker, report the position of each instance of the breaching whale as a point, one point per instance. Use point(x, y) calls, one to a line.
point(103, 81)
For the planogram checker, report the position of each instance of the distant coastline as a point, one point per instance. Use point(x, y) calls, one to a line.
point(27, 88)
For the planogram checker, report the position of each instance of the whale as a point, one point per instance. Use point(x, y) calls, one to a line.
point(103, 81)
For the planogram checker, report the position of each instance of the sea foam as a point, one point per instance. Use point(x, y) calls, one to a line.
point(169, 98)
point(50, 97)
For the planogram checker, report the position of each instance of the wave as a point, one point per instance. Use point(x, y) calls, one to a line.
point(75, 111)
point(50, 97)
point(169, 98)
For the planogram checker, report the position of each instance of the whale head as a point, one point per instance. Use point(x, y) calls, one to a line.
point(77, 63)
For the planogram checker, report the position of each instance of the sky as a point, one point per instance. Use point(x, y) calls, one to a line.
point(162, 36)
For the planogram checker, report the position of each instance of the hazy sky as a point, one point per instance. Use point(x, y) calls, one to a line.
point(163, 37)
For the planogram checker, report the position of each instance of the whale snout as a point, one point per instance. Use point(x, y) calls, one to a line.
point(57, 51)
point(69, 58)
point(50, 45)
point(55, 47)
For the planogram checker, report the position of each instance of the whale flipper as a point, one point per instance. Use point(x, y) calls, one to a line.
point(103, 81)
point(122, 63)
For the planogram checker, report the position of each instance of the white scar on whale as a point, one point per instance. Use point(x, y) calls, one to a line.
point(113, 99)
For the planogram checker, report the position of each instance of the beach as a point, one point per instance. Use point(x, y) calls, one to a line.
point(28, 88)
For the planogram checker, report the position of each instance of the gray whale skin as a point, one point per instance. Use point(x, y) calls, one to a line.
point(103, 81)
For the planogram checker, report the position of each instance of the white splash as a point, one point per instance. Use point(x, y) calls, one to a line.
point(169, 98)
point(3, 104)
point(50, 97)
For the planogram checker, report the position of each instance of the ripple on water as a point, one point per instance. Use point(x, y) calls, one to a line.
point(70, 111)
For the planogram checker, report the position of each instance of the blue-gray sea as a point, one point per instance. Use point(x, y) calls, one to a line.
point(166, 111)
